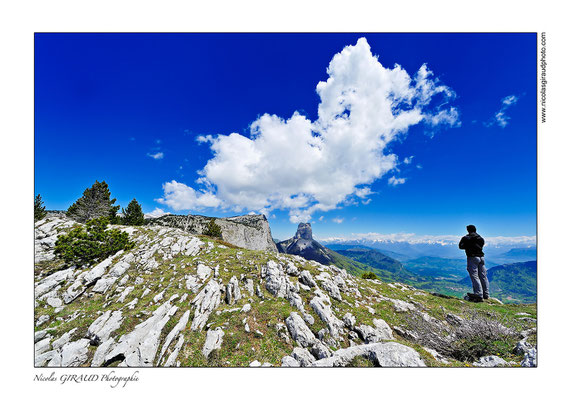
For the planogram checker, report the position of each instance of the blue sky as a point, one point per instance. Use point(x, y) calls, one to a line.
point(143, 112)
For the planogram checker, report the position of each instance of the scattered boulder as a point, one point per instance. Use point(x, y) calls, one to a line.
point(203, 272)
point(302, 356)
point(72, 354)
point(213, 341)
point(349, 320)
point(288, 361)
point(233, 291)
point(530, 358)
point(490, 361)
point(381, 354)
point(380, 332)
point(323, 310)
point(299, 331)
point(276, 281)
point(306, 278)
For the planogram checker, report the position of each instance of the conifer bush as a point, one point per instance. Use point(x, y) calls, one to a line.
point(96, 202)
point(212, 229)
point(92, 243)
point(39, 208)
point(369, 275)
point(133, 215)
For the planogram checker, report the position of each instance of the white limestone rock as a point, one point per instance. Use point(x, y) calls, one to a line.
point(233, 293)
point(213, 341)
point(178, 328)
point(42, 319)
point(306, 278)
point(276, 281)
point(72, 354)
point(126, 293)
point(139, 347)
point(288, 361)
point(203, 272)
point(302, 356)
point(172, 357)
point(102, 328)
point(53, 280)
point(491, 361)
point(349, 320)
point(530, 358)
point(380, 332)
point(389, 354)
point(299, 330)
point(205, 302)
point(321, 306)
point(103, 284)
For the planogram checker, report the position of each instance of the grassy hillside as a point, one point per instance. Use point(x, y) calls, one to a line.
point(515, 282)
point(383, 266)
point(169, 274)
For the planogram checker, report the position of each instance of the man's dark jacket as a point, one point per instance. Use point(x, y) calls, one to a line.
point(472, 243)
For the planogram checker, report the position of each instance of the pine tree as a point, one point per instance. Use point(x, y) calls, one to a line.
point(96, 202)
point(213, 229)
point(39, 208)
point(133, 215)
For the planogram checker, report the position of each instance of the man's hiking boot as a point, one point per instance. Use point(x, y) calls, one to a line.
point(474, 298)
point(486, 297)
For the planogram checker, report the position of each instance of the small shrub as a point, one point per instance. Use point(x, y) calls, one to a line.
point(477, 336)
point(212, 229)
point(369, 275)
point(92, 243)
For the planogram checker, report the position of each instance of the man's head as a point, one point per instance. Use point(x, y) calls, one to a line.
point(471, 229)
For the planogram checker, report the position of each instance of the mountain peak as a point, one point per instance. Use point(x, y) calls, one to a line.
point(304, 231)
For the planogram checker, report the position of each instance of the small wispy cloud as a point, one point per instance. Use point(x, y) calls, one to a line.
point(156, 213)
point(408, 160)
point(393, 181)
point(157, 156)
point(500, 118)
point(338, 220)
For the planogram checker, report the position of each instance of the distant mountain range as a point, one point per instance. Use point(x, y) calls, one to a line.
point(403, 250)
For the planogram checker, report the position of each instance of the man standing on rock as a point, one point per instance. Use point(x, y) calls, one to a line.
point(473, 244)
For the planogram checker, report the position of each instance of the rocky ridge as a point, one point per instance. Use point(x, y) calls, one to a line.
point(176, 299)
point(247, 231)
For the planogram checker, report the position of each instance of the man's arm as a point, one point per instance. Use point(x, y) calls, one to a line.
point(462, 244)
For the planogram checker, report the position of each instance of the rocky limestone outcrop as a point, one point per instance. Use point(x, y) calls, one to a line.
point(247, 231)
point(303, 244)
point(213, 341)
point(139, 347)
point(380, 354)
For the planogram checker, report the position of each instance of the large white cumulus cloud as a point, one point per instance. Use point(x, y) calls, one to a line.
point(305, 166)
